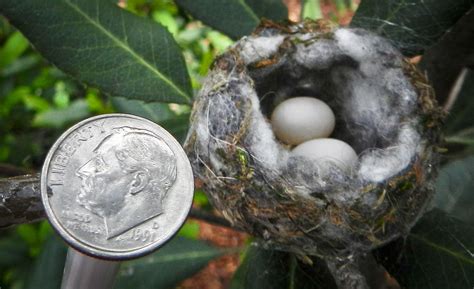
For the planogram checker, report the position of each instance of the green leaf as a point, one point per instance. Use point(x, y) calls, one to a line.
point(78, 109)
point(262, 269)
point(312, 9)
point(28, 233)
point(439, 254)
point(219, 41)
point(412, 25)
point(200, 199)
point(13, 251)
point(232, 17)
point(153, 111)
point(178, 126)
point(455, 189)
point(279, 270)
point(15, 45)
point(235, 18)
point(49, 266)
point(36, 102)
point(160, 113)
point(270, 9)
point(166, 19)
point(342, 5)
point(62, 95)
point(103, 45)
point(189, 230)
point(22, 64)
point(179, 259)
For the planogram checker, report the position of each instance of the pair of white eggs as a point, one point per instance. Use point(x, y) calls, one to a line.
point(307, 122)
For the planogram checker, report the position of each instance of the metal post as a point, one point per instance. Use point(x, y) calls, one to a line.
point(84, 272)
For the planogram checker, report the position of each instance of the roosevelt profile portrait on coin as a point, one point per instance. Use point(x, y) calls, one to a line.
point(127, 179)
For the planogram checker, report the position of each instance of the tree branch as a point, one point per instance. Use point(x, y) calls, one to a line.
point(20, 202)
point(210, 218)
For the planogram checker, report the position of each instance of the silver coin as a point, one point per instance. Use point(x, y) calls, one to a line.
point(116, 186)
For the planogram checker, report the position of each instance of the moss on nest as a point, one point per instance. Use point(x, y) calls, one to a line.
point(256, 184)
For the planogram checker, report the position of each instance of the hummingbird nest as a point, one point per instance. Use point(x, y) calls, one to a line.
point(384, 109)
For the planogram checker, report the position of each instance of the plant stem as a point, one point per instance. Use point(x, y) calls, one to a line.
point(20, 202)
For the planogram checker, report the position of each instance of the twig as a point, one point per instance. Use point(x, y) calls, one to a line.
point(20, 202)
point(454, 92)
point(210, 218)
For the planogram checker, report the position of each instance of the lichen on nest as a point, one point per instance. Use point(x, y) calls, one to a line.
point(384, 110)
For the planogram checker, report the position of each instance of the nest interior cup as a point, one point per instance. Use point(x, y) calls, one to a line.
point(384, 109)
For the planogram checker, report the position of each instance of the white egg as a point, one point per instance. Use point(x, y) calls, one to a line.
point(299, 119)
point(327, 151)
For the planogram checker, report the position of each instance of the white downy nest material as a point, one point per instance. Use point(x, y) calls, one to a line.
point(384, 110)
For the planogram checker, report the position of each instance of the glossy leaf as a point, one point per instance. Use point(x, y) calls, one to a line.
point(179, 259)
point(103, 45)
point(235, 18)
point(412, 25)
point(439, 254)
point(455, 189)
point(48, 268)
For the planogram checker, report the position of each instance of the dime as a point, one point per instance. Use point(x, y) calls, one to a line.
point(116, 186)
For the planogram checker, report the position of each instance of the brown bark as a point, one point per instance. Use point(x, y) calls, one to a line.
point(20, 200)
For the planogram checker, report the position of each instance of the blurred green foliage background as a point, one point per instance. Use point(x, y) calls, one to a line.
point(38, 102)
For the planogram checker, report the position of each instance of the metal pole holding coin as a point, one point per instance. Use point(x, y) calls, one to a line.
point(114, 187)
point(84, 272)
